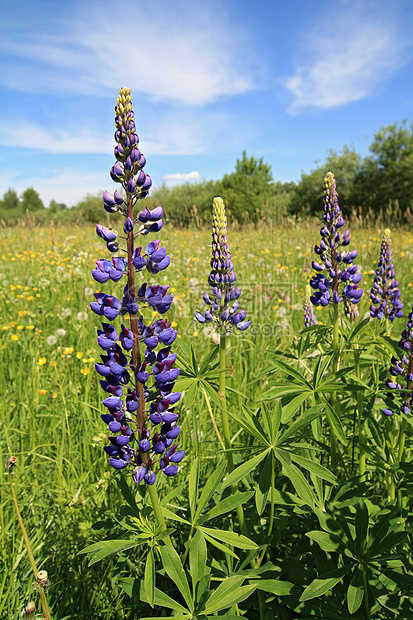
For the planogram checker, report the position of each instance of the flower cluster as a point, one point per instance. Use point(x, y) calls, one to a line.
point(137, 368)
point(385, 292)
point(222, 279)
point(401, 372)
point(337, 278)
point(309, 316)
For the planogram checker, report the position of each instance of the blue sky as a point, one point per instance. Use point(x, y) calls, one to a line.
point(284, 81)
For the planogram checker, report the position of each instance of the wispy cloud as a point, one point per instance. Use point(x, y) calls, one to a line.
point(181, 177)
point(31, 136)
point(65, 185)
point(183, 52)
point(348, 53)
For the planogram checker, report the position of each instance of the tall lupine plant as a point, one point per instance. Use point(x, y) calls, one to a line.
point(223, 310)
point(137, 366)
point(385, 293)
point(308, 309)
point(337, 276)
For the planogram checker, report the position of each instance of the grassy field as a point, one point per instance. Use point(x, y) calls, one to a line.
point(51, 401)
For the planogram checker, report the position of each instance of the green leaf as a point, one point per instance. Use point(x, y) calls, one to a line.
point(228, 593)
point(127, 495)
point(335, 423)
point(327, 542)
point(104, 548)
point(209, 489)
point(315, 468)
point(243, 470)
point(278, 391)
point(219, 545)
point(187, 616)
point(275, 586)
point(174, 569)
point(362, 524)
point(248, 423)
point(292, 372)
point(135, 589)
point(292, 406)
point(355, 592)
point(318, 587)
point(264, 483)
point(402, 580)
point(193, 487)
point(231, 538)
point(303, 420)
point(213, 394)
point(228, 504)
point(149, 578)
point(197, 558)
point(174, 517)
point(300, 484)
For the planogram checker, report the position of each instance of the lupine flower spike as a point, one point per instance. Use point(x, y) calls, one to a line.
point(385, 292)
point(337, 278)
point(309, 315)
point(221, 279)
point(141, 416)
point(351, 311)
point(401, 396)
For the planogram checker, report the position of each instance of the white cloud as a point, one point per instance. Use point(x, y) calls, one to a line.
point(180, 51)
point(181, 177)
point(66, 185)
point(349, 53)
point(31, 136)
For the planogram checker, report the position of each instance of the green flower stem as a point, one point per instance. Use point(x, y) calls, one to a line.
point(157, 509)
point(225, 424)
point(43, 599)
point(366, 593)
point(222, 394)
point(401, 442)
point(333, 439)
point(361, 423)
point(188, 542)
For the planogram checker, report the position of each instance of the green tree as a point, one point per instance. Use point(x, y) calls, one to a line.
point(10, 200)
point(55, 207)
point(247, 190)
point(387, 173)
point(308, 192)
point(31, 200)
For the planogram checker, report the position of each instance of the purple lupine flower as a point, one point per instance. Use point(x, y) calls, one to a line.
point(309, 316)
point(222, 279)
point(401, 395)
point(337, 278)
point(385, 292)
point(139, 382)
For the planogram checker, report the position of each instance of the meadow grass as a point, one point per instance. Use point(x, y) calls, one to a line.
point(50, 400)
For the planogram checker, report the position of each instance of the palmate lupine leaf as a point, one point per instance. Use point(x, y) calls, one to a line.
point(197, 558)
point(173, 567)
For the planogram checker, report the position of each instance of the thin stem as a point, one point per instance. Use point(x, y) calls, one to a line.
point(214, 423)
point(222, 395)
point(157, 509)
point(43, 599)
point(333, 439)
point(188, 542)
point(366, 593)
point(401, 442)
point(361, 423)
point(225, 424)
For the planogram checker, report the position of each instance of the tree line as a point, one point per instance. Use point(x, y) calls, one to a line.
point(384, 176)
